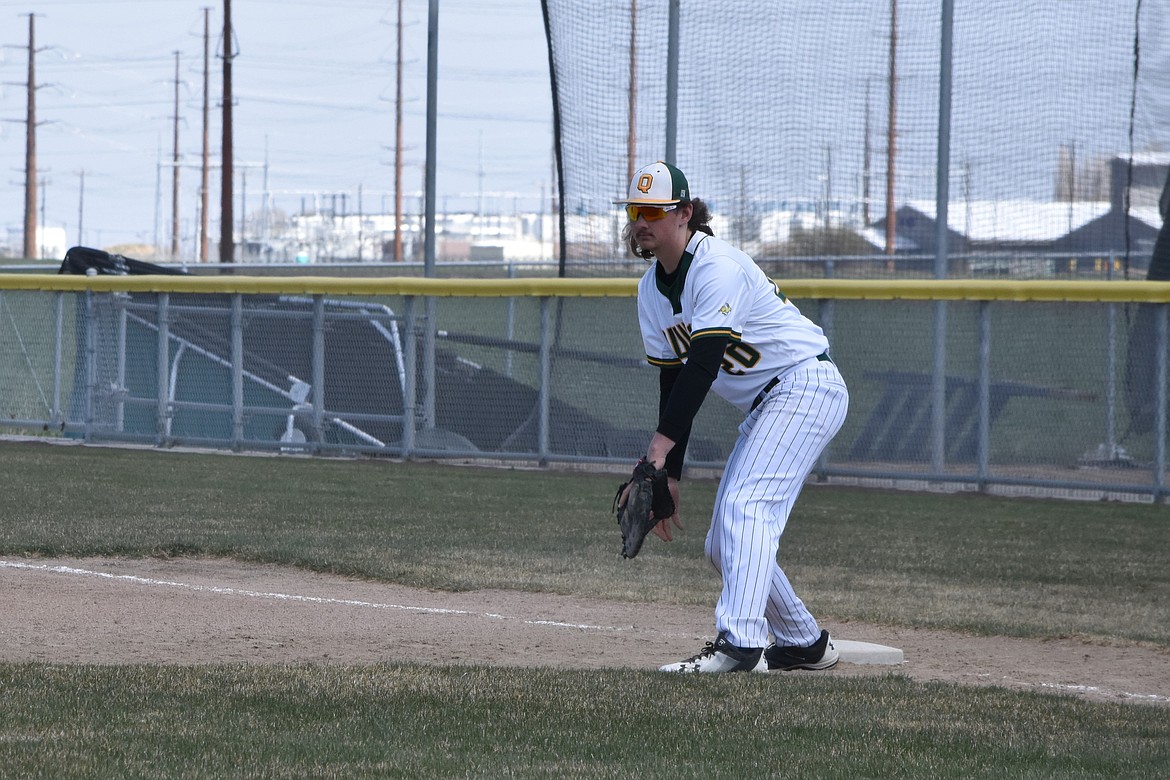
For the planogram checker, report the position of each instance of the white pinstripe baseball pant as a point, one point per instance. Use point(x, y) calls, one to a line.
point(778, 445)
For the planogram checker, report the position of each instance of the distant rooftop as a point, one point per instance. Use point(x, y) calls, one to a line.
point(1025, 221)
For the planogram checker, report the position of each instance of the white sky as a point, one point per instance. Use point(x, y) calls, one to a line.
point(314, 87)
point(314, 84)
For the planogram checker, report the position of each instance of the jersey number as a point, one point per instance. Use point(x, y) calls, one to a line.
point(737, 357)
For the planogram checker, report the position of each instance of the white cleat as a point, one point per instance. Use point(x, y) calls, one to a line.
point(721, 656)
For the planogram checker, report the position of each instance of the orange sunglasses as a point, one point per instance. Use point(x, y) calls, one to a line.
point(648, 213)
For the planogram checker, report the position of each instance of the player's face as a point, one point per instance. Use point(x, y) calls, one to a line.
point(666, 230)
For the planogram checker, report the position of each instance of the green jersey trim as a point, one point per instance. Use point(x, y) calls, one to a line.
point(705, 332)
point(673, 291)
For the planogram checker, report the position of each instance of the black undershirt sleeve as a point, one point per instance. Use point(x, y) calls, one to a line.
point(674, 459)
point(683, 390)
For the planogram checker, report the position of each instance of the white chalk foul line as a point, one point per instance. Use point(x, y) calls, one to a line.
point(1106, 692)
point(134, 579)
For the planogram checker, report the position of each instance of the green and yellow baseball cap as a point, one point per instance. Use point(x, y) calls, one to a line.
point(657, 184)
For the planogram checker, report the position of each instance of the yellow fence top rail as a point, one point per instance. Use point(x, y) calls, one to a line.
point(838, 289)
point(979, 290)
point(325, 285)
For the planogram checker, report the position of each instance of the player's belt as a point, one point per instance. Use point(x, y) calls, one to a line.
point(823, 357)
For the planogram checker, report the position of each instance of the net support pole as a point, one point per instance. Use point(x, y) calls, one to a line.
point(943, 173)
point(942, 198)
point(429, 239)
point(672, 84)
point(432, 124)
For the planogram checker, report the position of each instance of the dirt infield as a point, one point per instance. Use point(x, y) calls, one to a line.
point(185, 611)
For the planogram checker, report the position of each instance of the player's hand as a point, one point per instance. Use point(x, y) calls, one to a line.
point(662, 530)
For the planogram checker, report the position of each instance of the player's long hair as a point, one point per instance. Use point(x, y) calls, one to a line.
point(700, 220)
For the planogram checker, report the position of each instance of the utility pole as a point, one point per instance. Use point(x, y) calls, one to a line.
point(203, 194)
point(175, 171)
point(227, 245)
point(30, 150)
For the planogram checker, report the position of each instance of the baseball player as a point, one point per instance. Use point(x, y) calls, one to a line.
point(712, 320)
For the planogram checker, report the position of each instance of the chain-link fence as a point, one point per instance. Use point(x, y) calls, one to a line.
point(1062, 385)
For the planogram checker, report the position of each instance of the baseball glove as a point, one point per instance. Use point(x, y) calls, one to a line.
point(647, 503)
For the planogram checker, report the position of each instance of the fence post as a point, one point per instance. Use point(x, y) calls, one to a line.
point(410, 385)
point(984, 445)
point(237, 371)
point(90, 365)
point(826, 317)
point(318, 372)
point(1160, 329)
point(545, 391)
point(938, 407)
point(510, 324)
point(429, 415)
point(1111, 377)
point(164, 336)
point(57, 418)
point(119, 306)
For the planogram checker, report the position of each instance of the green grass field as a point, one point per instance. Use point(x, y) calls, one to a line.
point(971, 563)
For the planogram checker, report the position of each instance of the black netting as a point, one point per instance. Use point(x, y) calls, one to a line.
point(1060, 115)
